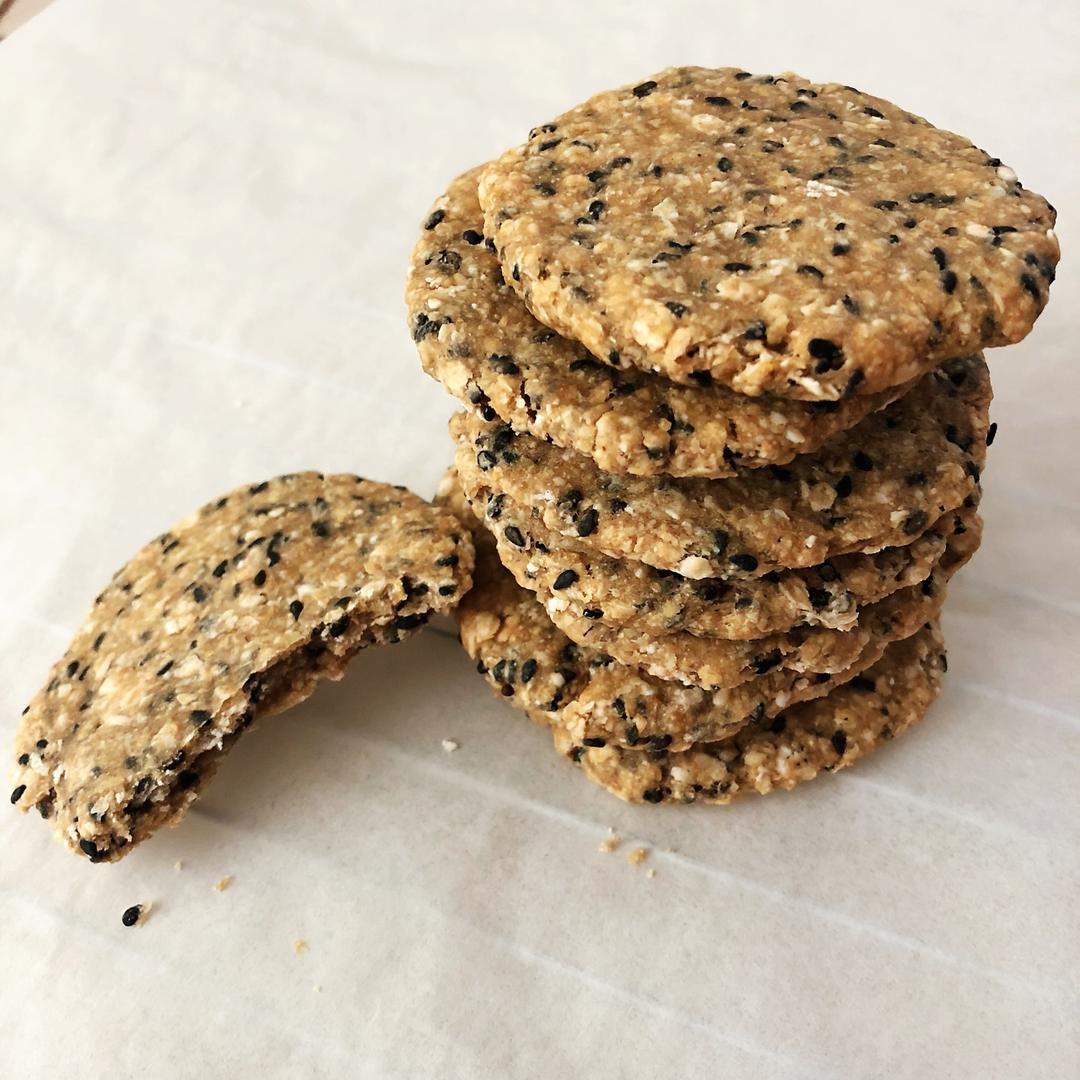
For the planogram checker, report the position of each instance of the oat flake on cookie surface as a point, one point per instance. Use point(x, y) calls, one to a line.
point(237, 612)
point(775, 235)
point(476, 337)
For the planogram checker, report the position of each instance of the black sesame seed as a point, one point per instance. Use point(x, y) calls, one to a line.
point(915, 522)
point(755, 331)
point(17, 794)
point(199, 593)
point(839, 742)
point(41, 743)
point(513, 534)
point(91, 850)
point(717, 99)
point(720, 541)
point(1031, 286)
point(841, 249)
point(131, 916)
point(528, 670)
point(295, 608)
point(471, 236)
point(843, 486)
point(948, 281)
point(736, 267)
point(447, 560)
point(644, 89)
point(221, 568)
point(811, 271)
point(596, 743)
point(991, 433)
point(743, 561)
point(565, 579)
point(259, 579)
point(486, 460)
point(320, 528)
point(724, 164)
point(586, 524)
point(676, 309)
point(338, 627)
point(434, 219)
point(164, 669)
point(617, 506)
point(886, 204)
point(654, 795)
point(828, 354)
point(873, 112)
point(402, 622)
point(200, 716)
point(24, 759)
point(544, 189)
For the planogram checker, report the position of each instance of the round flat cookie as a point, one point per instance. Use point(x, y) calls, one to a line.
point(631, 596)
point(538, 669)
point(237, 612)
point(476, 337)
point(878, 485)
point(712, 662)
point(830, 733)
point(769, 233)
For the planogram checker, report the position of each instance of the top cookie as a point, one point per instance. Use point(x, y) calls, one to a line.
point(478, 339)
point(237, 611)
point(775, 235)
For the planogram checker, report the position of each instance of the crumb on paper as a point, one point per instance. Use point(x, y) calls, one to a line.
point(299, 946)
point(610, 842)
point(223, 883)
point(637, 856)
point(178, 865)
point(650, 873)
point(317, 988)
point(450, 745)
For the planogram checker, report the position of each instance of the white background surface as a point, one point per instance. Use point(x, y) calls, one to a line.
point(207, 209)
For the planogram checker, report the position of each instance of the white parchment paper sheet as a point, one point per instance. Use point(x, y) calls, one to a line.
point(207, 209)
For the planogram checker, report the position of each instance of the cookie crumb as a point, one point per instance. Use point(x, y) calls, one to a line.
point(179, 864)
point(223, 883)
point(610, 842)
point(299, 946)
point(317, 988)
point(650, 873)
point(450, 745)
point(135, 914)
point(637, 856)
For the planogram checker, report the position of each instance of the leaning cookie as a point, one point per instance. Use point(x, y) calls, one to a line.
point(878, 485)
point(632, 597)
point(527, 660)
point(476, 337)
point(830, 733)
point(775, 235)
point(235, 613)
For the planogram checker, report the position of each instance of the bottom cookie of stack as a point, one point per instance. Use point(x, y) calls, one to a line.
point(753, 743)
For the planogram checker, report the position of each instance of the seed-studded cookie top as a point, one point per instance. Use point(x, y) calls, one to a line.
point(878, 485)
point(478, 339)
point(236, 611)
point(776, 235)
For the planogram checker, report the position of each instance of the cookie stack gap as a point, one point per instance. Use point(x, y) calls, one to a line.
point(717, 338)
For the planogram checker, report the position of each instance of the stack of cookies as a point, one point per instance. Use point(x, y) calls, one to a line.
point(717, 338)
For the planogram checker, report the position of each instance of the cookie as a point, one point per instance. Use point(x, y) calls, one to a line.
point(830, 733)
point(237, 612)
point(712, 662)
point(771, 234)
point(642, 600)
point(476, 337)
point(878, 485)
point(538, 669)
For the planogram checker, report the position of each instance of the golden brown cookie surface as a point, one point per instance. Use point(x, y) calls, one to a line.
point(238, 611)
point(772, 234)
